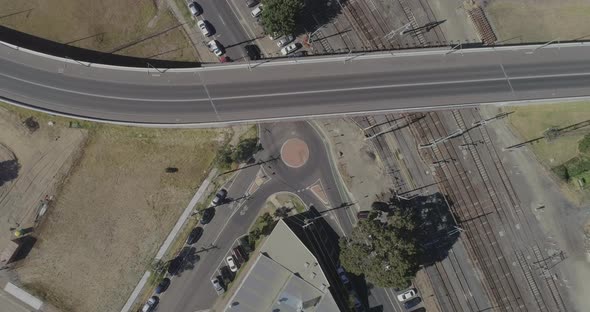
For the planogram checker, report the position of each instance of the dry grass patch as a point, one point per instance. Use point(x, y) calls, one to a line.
point(102, 25)
point(539, 20)
point(114, 211)
point(532, 120)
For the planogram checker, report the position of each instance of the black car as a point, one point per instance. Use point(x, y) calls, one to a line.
point(194, 236)
point(419, 310)
point(412, 302)
point(175, 265)
point(240, 255)
point(252, 3)
point(219, 198)
point(163, 286)
point(253, 52)
point(298, 54)
point(207, 215)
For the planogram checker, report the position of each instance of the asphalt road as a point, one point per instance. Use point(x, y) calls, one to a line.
point(224, 20)
point(192, 290)
point(294, 89)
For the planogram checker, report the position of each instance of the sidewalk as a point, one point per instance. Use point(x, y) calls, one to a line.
point(189, 27)
point(185, 215)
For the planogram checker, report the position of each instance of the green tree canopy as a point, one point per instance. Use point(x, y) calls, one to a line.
point(584, 144)
point(279, 16)
point(246, 149)
point(386, 253)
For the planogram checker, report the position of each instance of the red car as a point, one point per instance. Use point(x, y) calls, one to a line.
point(225, 59)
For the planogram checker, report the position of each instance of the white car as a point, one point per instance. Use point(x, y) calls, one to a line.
point(408, 294)
point(216, 48)
point(204, 29)
point(257, 11)
point(290, 48)
point(232, 264)
point(285, 40)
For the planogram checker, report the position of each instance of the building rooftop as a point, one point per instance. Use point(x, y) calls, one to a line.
point(284, 277)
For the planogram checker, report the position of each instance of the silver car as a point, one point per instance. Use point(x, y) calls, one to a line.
point(204, 29)
point(217, 285)
point(285, 41)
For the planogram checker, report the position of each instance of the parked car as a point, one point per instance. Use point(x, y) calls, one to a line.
point(194, 236)
point(224, 59)
point(363, 215)
point(252, 3)
point(412, 302)
point(231, 263)
point(419, 310)
point(217, 286)
point(202, 24)
point(151, 304)
point(195, 8)
point(174, 265)
point(220, 196)
point(285, 41)
point(207, 215)
point(240, 254)
point(257, 11)
point(245, 244)
point(410, 293)
point(227, 276)
point(342, 275)
point(162, 286)
point(298, 54)
point(290, 48)
point(253, 52)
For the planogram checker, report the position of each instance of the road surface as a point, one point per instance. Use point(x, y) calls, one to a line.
point(422, 80)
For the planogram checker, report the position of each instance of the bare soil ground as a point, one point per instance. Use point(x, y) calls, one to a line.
point(538, 20)
point(113, 212)
point(105, 26)
point(44, 157)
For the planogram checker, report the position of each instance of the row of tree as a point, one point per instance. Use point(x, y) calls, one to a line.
point(241, 153)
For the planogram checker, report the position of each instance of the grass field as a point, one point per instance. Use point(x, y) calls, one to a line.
point(532, 120)
point(113, 212)
point(539, 20)
point(105, 26)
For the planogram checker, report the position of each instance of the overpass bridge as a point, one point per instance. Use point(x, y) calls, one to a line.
point(412, 80)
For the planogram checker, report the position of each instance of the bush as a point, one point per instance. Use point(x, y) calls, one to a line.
point(561, 172)
point(584, 144)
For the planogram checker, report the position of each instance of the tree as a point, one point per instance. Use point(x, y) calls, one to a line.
point(279, 16)
point(584, 145)
point(225, 156)
point(386, 253)
point(245, 150)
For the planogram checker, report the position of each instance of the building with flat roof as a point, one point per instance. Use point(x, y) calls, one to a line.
point(289, 276)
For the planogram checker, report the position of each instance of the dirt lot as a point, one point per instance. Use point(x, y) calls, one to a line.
point(106, 26)
point(44, 157)
point(113, 212)
point(538, 20)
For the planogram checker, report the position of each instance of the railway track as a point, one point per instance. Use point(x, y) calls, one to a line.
point(482, 244)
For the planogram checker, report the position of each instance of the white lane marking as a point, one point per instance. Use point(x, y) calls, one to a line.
point(402, 85)
point(222, 21)
point(103, 95)
point(298, 92)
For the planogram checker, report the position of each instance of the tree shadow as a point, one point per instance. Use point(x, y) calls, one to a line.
point(9, 170)
point(42, 45)
point(317, 13)
point(190, 257)
point(436, 230)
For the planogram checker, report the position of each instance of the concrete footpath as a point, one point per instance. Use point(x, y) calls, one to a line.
point(185, 215)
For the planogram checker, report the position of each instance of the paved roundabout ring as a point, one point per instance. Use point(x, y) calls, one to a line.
point(294, 153)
